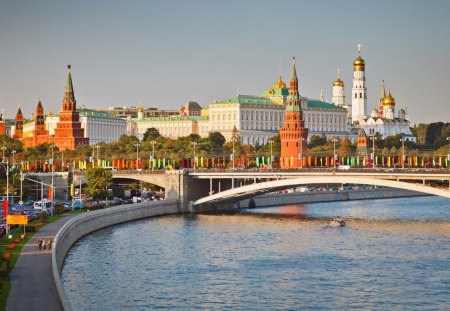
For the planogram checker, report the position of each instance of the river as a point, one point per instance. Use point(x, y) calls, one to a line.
point(393, 254)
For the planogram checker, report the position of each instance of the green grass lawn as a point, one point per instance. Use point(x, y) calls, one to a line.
point(13, 254)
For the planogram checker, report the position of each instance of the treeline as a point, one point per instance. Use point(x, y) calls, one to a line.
point(433, 135)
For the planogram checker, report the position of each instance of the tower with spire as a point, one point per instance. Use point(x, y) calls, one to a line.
point(380, 105)
point(18, 129)
point(338, 91)
point(293, 134)
point(68, 133)
point(359, 90)
point(39, 134)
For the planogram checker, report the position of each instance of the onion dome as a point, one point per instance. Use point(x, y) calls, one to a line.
point(279, 84)
point(338, 81)
point(359, 64)
point(140, 109)
point(389, 100)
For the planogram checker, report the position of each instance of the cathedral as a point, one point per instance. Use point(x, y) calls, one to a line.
point(382, 119)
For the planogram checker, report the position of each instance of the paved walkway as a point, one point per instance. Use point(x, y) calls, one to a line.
point(32, 284)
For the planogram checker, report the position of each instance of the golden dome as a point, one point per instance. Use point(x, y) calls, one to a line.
point(359, 64)
point(338, 82)
point(389, 100)
point(279, 84)
point(140, 109)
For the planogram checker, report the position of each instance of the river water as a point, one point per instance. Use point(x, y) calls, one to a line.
point(393, 254)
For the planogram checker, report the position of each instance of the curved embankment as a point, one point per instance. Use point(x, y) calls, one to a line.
point(86, 223)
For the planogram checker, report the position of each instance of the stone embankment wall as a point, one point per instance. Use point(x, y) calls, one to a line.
point(86, 223)
point(325, 196)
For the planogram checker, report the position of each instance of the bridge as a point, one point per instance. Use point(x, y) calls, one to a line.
point(197, 189)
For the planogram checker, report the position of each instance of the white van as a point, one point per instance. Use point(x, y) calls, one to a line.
point(110, 168)
point(43, 206)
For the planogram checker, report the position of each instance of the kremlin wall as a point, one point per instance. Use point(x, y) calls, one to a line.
point(279, 109)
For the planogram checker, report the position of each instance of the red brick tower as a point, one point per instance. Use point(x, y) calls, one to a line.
point(2, 125)
point(40, 134)
point(68, 133)
point(18, 130)
point(293, 134)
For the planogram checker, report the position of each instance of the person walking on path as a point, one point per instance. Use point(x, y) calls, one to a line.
point(32, 285)
point(49, 243)
point(40, 244)
point(44, 243)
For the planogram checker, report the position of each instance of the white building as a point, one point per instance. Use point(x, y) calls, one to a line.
point(98, 126)
point(384, 121)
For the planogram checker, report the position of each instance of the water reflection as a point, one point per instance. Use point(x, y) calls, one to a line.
point(393, 254)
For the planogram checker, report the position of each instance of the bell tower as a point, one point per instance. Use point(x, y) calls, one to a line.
point(359, 90)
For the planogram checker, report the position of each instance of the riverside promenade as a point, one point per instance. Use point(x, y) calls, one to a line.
point(32, 283)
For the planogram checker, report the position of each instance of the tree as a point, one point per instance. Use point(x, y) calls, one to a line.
point(217, 140)
point(151, 134)
point(317, 140)
point(98, 181)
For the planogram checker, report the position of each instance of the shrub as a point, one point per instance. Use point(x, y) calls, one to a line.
point(43, 216)
point(59, 208)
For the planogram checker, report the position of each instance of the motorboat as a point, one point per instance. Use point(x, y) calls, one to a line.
point(337, 222)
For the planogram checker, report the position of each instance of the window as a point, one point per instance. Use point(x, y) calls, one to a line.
point(360, 95)
point(356, 95)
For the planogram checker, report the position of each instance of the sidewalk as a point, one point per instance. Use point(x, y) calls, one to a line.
point(32, 285)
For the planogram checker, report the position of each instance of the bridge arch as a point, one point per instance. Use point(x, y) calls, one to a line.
point(240, 193)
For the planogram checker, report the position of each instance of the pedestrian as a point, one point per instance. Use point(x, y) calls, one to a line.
point(50, 242)
point(40, 244)
point(44, 243)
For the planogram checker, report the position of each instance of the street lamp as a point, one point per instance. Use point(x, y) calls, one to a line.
point(373, 138)
point(153, 153)
point(3, 156)
point(232, 139)
point(13, 157)
point(53, 171)
point(137, 154)
point(403, 152)
point(301, 140)
point(334, 152)
point(194, 143)
point(448, 155)
point(7, 180)
point(98, 152)
point(271, 154)
point(93, 155)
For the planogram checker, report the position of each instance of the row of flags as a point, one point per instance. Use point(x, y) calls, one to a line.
point(223, 162)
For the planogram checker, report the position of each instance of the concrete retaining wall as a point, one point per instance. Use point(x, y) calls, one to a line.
point(86, 223)
point(326, 196)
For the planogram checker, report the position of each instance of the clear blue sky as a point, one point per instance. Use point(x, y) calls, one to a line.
point(168, 52)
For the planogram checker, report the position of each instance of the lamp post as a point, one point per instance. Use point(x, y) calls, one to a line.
point(53, 171)
point(271, 154)
point(153, 153)
point(232, 139)
point(7, 191)
point(3, 151)
point(448, 155)
point(334, 152)
point(7, 179)
point(13, 157)
point(373, 138)
point(98, 152)
point(301, 140)
point(403, 152)
point(194, 143)
point(137, 155)
point(93, 155)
